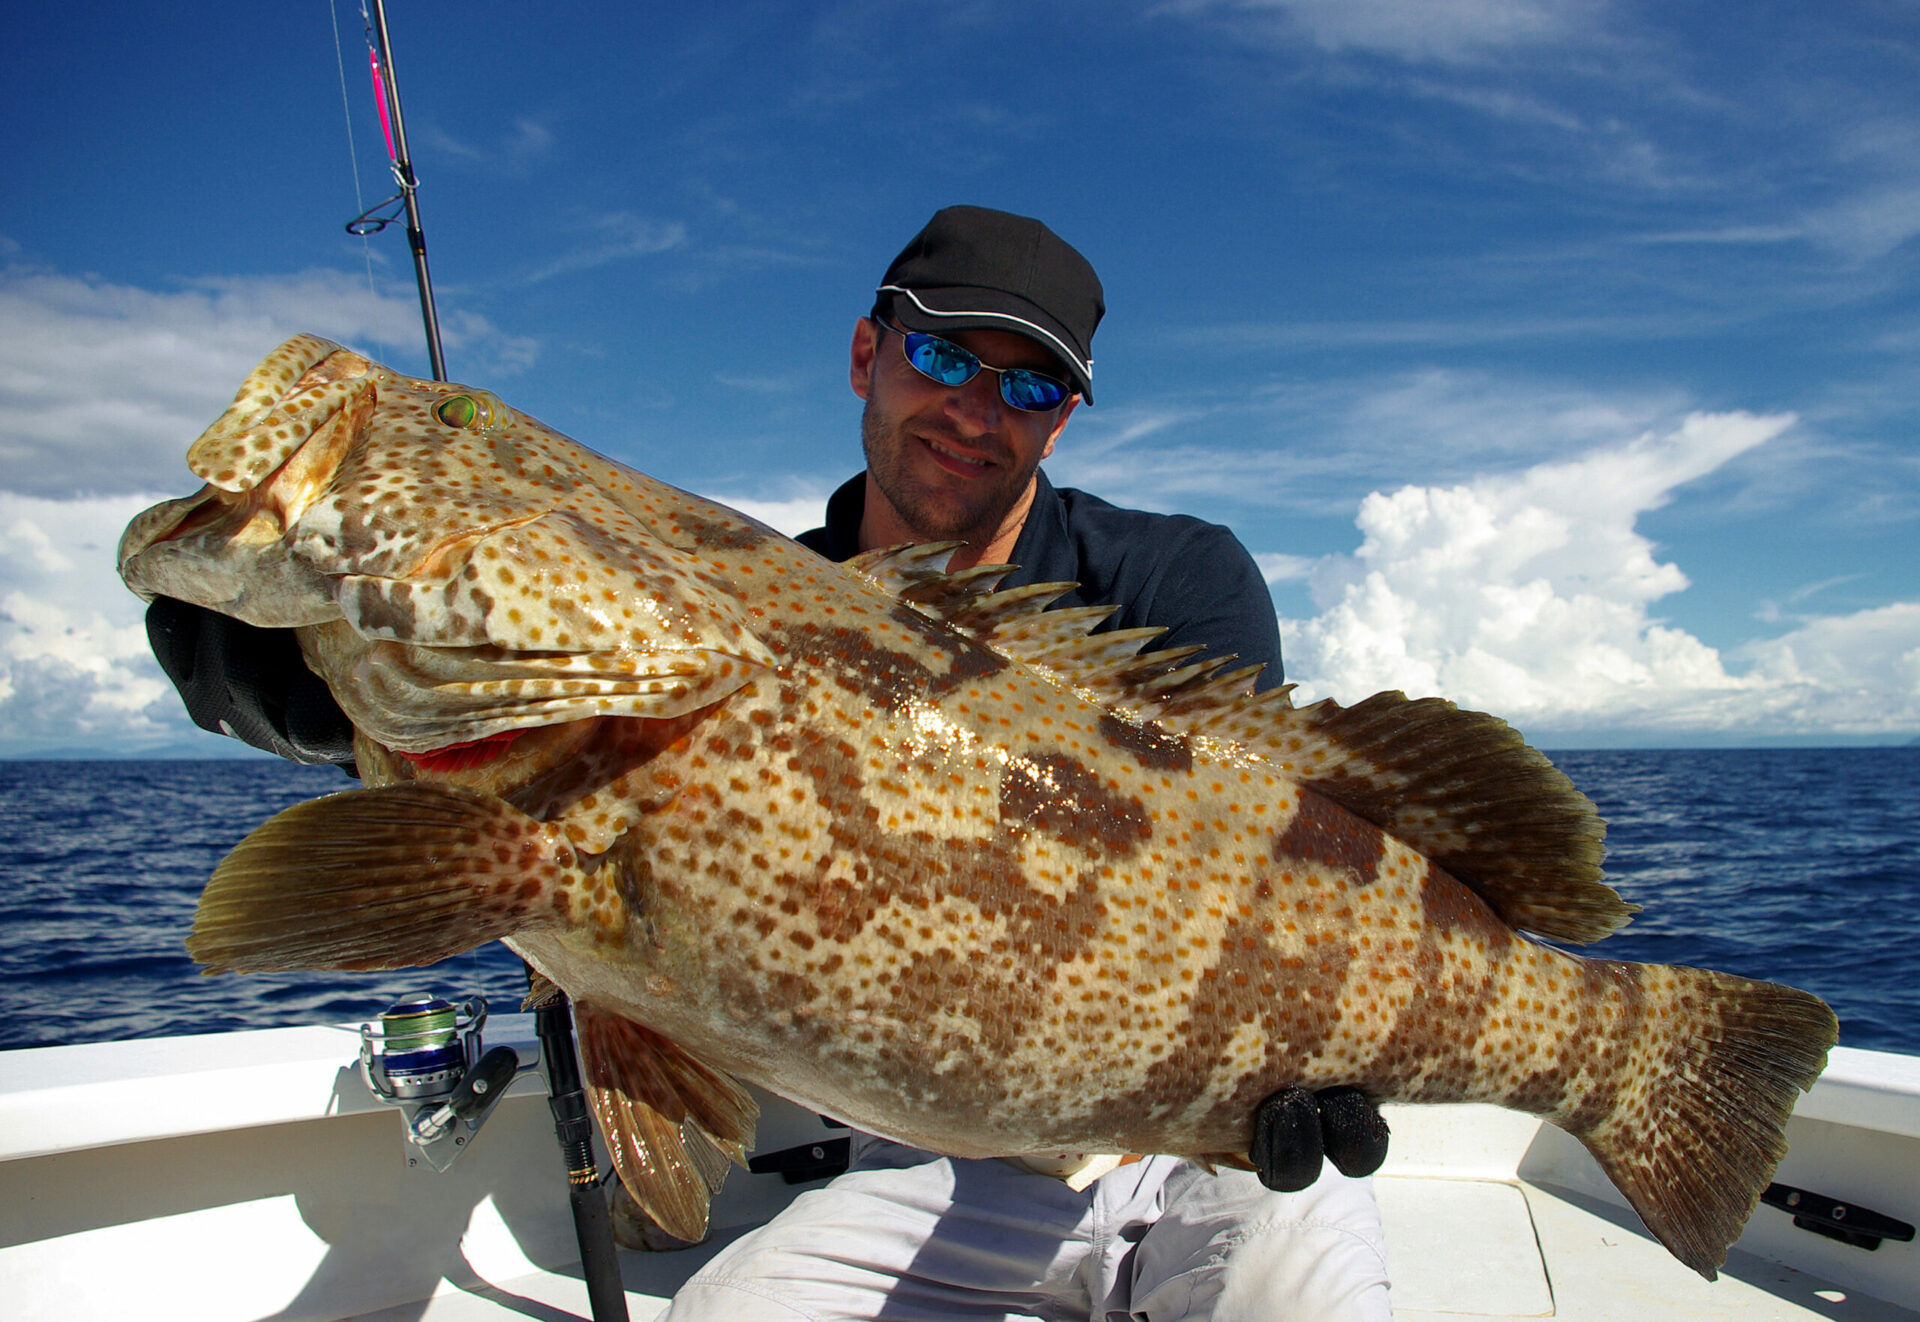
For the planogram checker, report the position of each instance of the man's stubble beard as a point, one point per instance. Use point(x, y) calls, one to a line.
point(886, 442)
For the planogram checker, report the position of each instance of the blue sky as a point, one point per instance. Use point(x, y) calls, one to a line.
point(1560, 358)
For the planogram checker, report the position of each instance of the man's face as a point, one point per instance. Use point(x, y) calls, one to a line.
point(953, 461)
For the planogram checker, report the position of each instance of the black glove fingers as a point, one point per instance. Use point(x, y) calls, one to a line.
point(251, 683)
point(1287, 1146)
point(316, 726)
point(1353, 1131)
point(173, 631)
point(1294, 1130)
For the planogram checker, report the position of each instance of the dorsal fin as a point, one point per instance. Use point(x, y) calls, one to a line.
point(1466, 790)
point(1461, 787)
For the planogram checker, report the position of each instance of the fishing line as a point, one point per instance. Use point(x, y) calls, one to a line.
point(353, 156)
point(386, 89)
point(371, 220)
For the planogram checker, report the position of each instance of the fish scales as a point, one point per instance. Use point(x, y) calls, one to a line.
point(903, 848)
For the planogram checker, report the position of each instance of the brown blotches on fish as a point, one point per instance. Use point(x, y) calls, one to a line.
point(712, 534)
point(1322, 833)
point(1059, 795)
point(1434, 1048)
point(929, 880)
point(1152, 748)
point(966, 660)
point(383, 609)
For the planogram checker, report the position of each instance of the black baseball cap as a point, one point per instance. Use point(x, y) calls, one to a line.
point(973, 268)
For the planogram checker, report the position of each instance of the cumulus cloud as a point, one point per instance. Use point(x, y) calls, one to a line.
point(1276, 567)
point(75, 672)
point(102, 386)
point(1852, 674)
point(1531, 595)
point(791, 517)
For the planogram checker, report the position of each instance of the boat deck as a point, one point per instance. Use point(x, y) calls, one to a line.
point(249, 1176)
point(1603, 1270)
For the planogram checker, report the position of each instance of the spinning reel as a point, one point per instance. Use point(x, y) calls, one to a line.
point(426, 1056)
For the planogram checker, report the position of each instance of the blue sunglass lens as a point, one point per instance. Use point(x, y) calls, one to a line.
point(946, 362)
point(940, 359)
point(1031, 391)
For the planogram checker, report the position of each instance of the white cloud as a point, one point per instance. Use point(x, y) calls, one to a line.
point(1276, 567)
point(513, 151)
point(1867, 224)
point(1443, 31)
point(103, 386)
point(1319, 446)
point(791, 517)
point(75, 672)
point(613, 237)
point(1530, 596)
point(1853, 674)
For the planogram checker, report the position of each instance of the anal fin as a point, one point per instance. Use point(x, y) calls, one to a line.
point(673, 1124)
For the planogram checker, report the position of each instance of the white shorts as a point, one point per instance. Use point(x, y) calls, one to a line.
point(911, 1237)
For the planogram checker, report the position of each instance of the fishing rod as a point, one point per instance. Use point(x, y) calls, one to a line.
point(572, 1118)
point(387, 91)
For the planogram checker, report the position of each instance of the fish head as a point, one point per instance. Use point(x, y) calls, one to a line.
point(455, 570)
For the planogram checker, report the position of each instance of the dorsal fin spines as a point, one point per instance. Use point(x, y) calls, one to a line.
point(1164, 665)
point(1460, 787)
point(941, 597)
point(897, 568)
point(1032, 634)
point(1096, 662)
point(984, 615)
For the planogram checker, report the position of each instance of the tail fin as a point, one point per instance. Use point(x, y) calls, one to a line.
point(380, 879)
point(1693, 1146)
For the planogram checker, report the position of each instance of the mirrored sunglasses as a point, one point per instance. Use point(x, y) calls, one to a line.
point(950, 365)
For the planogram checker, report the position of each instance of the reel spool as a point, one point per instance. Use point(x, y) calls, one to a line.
point(420, 1049)
point(426, 1057)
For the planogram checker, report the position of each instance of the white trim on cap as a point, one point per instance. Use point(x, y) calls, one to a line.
point(1085, 365)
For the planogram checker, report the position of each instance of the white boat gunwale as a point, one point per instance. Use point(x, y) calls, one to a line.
point(182, 1160)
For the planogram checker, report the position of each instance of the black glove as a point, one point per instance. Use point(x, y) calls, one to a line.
point(1294, 1129)
point(251, 683)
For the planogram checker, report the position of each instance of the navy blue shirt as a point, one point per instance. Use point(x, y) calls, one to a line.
point(1189, 577)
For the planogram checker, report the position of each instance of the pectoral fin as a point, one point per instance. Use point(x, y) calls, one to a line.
point(382, 879)
point(672, 1123)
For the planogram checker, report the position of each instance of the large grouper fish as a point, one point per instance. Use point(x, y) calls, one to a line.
point(905, 847)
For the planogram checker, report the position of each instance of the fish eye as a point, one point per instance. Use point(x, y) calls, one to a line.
point(468, 412)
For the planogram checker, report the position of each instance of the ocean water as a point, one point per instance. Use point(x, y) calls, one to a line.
point(1799, 866)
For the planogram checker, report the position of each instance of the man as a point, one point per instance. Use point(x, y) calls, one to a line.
point(977, 352)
